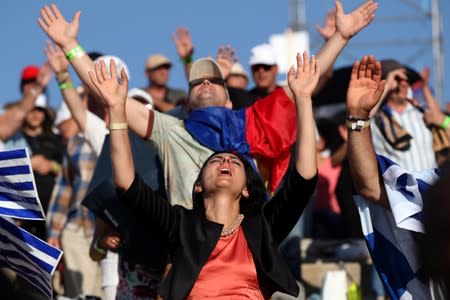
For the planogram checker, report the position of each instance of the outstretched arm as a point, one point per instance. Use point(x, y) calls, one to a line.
point(113, 95)
point(347, 25)
point(185, 48)
point(64, 35)
point(60, 66)
point(364, 92)
point(302, 84)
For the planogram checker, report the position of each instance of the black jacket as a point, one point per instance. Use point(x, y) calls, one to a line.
point(192, 237)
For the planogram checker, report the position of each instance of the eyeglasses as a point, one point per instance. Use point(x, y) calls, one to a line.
point(165, 66)
point(213, 80)
point(263, 66)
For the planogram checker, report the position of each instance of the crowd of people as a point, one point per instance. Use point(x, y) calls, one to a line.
point(160, 193)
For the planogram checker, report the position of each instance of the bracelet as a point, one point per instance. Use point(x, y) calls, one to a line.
point(62, 77)
point(55, 167)
point(118, 126)
point(356, 124)
point(65, 85)
point(99, 249)
point(78, 51)
point(186, 60)
point(446, 122)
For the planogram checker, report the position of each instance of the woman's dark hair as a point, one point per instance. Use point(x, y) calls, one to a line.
point(255, 186)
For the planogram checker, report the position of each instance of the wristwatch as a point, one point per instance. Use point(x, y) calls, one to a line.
point(356, 124)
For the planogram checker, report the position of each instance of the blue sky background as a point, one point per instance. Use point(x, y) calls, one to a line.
point(134, 29)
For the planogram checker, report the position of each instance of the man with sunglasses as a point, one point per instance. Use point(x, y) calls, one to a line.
point(264, 70)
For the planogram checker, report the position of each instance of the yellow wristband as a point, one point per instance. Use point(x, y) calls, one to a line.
point(78, 51)
point(118, 126)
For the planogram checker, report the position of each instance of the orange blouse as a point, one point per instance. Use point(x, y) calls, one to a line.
point(229, 272)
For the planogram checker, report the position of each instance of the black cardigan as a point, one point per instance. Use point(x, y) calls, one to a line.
point(192, 238)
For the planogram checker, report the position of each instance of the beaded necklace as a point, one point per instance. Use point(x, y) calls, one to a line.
point(233, 227)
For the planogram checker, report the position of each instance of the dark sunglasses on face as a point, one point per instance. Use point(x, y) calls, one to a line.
point(213, 80)
point(166, 66)
point(263, 66)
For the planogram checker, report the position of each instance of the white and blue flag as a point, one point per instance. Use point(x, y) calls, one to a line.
point(391, 235)
point(18, 194)
point(27, 255)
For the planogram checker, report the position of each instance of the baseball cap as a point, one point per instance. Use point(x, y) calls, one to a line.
point(262, 54)
point(203, 68)
point(156, 60)
point(30, 72)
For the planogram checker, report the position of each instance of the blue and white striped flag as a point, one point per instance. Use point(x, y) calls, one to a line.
point(27, 255)
point(18, 194)
point(391, 234)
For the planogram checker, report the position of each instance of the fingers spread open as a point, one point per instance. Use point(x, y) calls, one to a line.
point(44, 15)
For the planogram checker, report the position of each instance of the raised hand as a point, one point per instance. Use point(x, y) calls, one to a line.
point(56, 58)
point(329, 28)
point(365, 87)
point(303, 82)
point(350, 24)
point(113, 93)
point(45, 74)
point(183, 42)
point(63, 33)
point(226, 57)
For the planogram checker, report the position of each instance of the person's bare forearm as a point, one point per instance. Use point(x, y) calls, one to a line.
point(11, 120)
point(76, 107)
point(306, 162)
point(329, 52)
point(364, 167)
point(121, 156)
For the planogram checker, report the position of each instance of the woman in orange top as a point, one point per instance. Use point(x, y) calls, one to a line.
point(226, 246)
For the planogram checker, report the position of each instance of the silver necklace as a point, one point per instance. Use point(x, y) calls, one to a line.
point(233, 227)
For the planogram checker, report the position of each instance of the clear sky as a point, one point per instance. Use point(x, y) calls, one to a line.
point(136, 28)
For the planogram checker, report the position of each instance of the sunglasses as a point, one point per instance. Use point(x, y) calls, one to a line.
point(165, 66)
point(263, 66)
point(213, 80)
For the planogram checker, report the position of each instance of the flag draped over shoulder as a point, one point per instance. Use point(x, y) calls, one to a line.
point(391, 235)
point(266, 130)
point(24, 253)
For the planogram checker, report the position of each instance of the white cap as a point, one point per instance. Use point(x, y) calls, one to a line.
point(41, 101)
point(262, 54)
point(139, 93)
point(204, 67)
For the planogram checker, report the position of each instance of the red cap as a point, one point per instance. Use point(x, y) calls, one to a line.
point(30, 72)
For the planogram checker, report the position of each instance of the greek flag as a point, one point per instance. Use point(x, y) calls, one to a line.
point(18, 195)
point(391, 234)
point(24, 253)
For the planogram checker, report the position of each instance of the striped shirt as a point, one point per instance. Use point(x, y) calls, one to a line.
point(391, 235)
point(420, 156)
